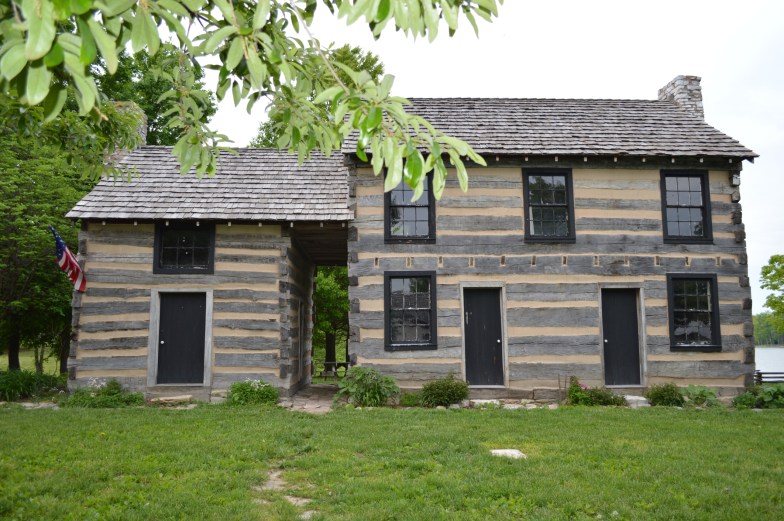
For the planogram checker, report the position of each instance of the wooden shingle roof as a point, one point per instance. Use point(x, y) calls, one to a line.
point(516, 126)
point(257, 184)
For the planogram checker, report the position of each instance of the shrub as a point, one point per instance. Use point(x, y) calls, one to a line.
point(100, 395)
point(410, 399)
point(366, 387)
point(767, 396)
point(18, 385)
point(699, 396)
point(668, 395)
point(444, 391)
point(579, 394)
point(252, 392)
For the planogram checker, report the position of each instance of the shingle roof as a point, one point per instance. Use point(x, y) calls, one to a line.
point(574, 127)
point(256, 184)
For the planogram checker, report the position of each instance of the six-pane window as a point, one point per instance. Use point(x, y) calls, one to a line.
point(409, 220)
point(410, 310)
point(548, 201)
point(686, 207)
point(184, 248)
point(694, 322)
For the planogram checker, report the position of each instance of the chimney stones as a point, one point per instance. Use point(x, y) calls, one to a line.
point(684, 91)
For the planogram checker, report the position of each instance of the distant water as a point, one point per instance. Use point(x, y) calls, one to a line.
point(769, 359)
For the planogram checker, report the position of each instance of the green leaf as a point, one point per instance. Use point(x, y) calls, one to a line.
point(13, 61)
point(217, 37)
point(413, 169)
point(40, 27)
point(38, 79)
point(382, 13)
point(373, 119)
point(151, 35)
point(394, 170)
point(235, 54)
point(327, 94)
point(55, 56)
point(438, 180)
point(54, 102)
point(386, 85)
point(112, 8)
point(256, 69)
point(105, 45)
point(80, 6)
point(462, 175)
point(261, 14)
point(88, 51)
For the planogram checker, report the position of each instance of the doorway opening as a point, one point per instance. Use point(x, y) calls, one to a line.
point(330, 324)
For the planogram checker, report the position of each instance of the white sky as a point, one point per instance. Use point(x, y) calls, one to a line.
point(607, 49)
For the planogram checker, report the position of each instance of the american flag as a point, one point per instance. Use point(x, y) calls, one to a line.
point(67, 262)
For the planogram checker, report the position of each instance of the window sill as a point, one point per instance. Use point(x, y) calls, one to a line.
point(559, 240)
point(688, 240)
point(695, 348)
point(409, 240)
point(411, 347)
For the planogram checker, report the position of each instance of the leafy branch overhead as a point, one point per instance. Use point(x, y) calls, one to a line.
point(264, 49)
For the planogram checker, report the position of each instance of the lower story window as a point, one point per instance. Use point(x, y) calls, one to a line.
point(693, 313)
point(410, 310)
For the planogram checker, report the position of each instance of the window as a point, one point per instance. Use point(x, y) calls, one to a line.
point(686, 206)
point(410, 310)
point(184, 248)
point(549, 207)
point(406, 220)
point(693, 313)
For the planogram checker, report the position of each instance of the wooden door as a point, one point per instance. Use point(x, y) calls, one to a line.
point(484, 353)
point(621, 338)
point(181, 338)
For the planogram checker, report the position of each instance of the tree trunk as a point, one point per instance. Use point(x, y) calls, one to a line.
point(330, 361)
point(13, 345)
point(65, 349)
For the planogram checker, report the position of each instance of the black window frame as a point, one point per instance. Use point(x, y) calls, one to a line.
point(410, 346)
point(707, 216)
point(430, 238)
point(161, 228)
point(567, 173)
point(715, 325)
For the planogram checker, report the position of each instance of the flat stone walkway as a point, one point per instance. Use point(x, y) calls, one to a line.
point(314, 399)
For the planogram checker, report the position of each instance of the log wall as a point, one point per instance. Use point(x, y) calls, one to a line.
point(112, 319)
point(552, 291)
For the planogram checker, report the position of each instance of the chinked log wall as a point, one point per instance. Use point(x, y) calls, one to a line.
point(112, 318)
point(553, 290)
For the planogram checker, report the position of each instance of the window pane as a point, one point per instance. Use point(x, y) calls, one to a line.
point(201, 257)
point(695, 184)
point(691, 312)
point(168, 258)
point(683, 184)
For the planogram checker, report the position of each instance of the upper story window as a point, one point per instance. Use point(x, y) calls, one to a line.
point(410, 310)
point(549, 205)
point(686, 206)
point(406, 220)
point(693, 312)
point(184, 248)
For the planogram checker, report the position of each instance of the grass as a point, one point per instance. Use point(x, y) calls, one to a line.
point(390, 464)
point(27, 361)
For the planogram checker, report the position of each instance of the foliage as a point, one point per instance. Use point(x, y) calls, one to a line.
point(354, 58)
point(252, 392)
point(444, 391)
point(579, 394)
point(143, 79)
point(48, 48)
point(668, 395)
point(772, 277)
point(366, 387)
point(102, 395)
point(768, 329)
point(19, 385)
point(331, 306)
point(413, 399)
point(699, 396)
point(766, 396)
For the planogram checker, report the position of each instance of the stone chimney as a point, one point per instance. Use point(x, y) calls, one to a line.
point(684, 91)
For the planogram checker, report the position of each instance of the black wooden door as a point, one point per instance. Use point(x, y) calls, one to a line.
point(181, 338)
point(484, 354)
point(621, 337)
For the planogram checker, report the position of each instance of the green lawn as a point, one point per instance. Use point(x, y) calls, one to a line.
point(27, 361)
point(385, 464)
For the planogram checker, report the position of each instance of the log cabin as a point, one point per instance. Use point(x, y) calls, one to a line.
point(604, 240)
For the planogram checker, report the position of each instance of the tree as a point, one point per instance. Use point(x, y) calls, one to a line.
point(354, 58)
point(768, 330)
point(773, 279)
point(330, 300)
point(36, 189)
point(48, 46)
point(141, 78)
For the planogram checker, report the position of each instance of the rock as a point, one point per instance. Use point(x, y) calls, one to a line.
point(455, 406)
point(465, 404)
point(172, 399)
point(188, 407)
point(531, 406)
point(441, 408)
point(308, 514)
point(508, 453)
point(297, 501)
point(635, 402)
point(513, 406)
point(525, 401)
point(552, 406)
point(485, 403)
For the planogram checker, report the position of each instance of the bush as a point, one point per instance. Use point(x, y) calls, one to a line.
point(410, 399)
point(366, 387)
point(767, 396)
point(699, 396)
point(579, 394)
point(252, 392)
point(668, 395)
point(19, 385)
point(102, 395)
point(444, 391)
